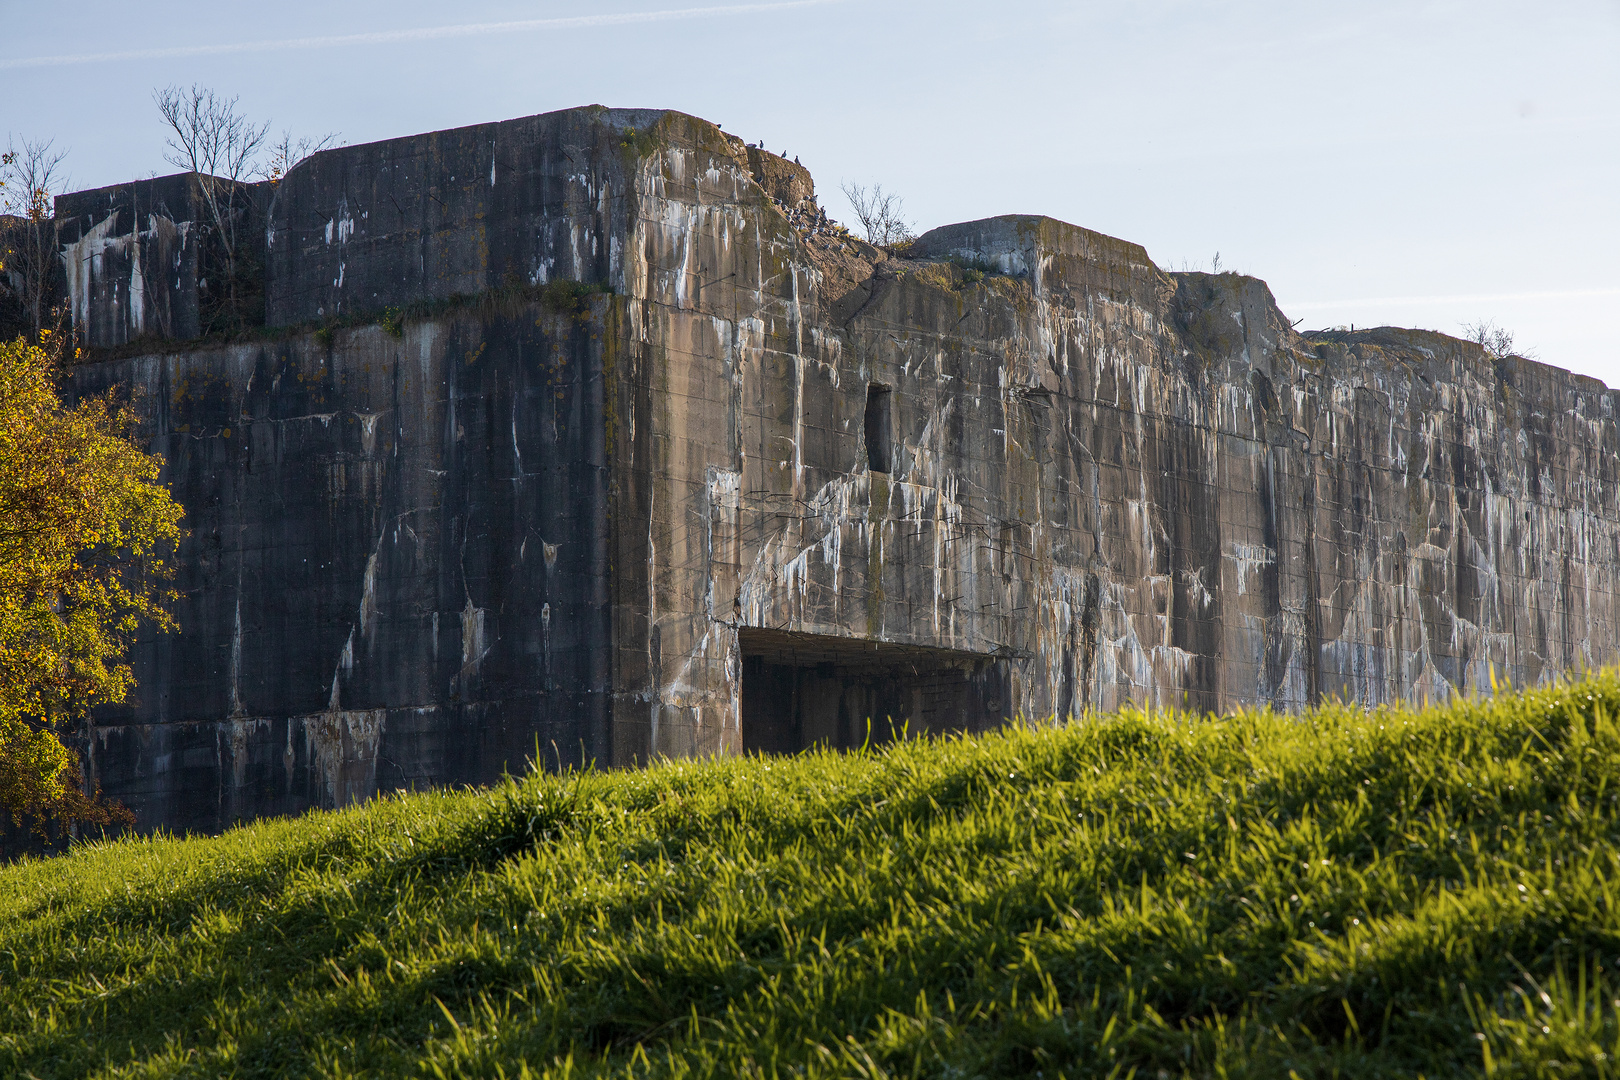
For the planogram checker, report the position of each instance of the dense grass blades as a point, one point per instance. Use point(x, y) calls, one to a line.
point(1346, 893)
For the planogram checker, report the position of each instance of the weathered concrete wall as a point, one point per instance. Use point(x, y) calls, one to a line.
point(1135, 486)
point(129, 260)
point(148, 261)
point(453, 212)
point(1098, 483)
point(395, 569)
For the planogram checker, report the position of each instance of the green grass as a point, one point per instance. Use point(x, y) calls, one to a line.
point(1385, 893)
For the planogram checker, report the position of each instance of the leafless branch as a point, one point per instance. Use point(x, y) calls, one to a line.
point(210, 137)
point(1497, 341)
point(30, 178)
point(879, 212)
point(217, 144)
point(286, 152)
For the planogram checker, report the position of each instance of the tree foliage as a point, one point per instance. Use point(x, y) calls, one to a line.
point(85, 528)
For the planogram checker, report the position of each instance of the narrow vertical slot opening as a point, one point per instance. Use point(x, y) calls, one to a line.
point(879, 437)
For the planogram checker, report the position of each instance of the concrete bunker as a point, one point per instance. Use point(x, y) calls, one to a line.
point(538, 515)
point(805, 690)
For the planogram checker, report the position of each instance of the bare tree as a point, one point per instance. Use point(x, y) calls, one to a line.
point(218, 144)
point(286, 152)
point(30, 178)
point(879, 214)
point(1497, 341)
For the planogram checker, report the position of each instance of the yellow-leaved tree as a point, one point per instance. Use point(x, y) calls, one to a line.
point(85, 527)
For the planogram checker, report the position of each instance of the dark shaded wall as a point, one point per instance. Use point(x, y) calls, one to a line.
point(393, 573)
point(803, 690)
point(146, 260)
point(452, 213)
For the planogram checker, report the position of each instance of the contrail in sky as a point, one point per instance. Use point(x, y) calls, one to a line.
point(427, 33)
point(1568, 294)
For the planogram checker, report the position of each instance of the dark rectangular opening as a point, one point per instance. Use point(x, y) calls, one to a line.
point(806, 690)
point(879, 438)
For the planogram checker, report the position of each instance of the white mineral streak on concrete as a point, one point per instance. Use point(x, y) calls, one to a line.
point(754, 588)
point(1247, 560)
point(368, 431)
point(237, 708)
point(368, 595)
point(137, 288)
point(342, 746)
point(798, 429)
point(82, 263)
point(237, 731)
point(473, 645)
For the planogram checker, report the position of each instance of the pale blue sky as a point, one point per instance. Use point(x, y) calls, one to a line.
point(1412, 163)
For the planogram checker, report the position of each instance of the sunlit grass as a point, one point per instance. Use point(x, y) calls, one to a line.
point(1349, 893)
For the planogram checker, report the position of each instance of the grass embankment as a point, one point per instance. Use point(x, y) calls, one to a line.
point(1357, 894)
